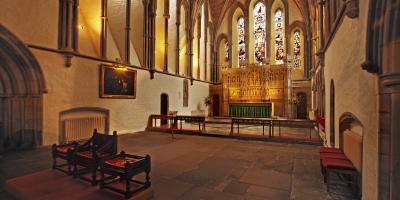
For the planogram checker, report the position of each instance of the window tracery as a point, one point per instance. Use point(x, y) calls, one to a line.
point(279, 37)
point(241, 40)
point(297, 49)
point(259, 32)
point(226, 51)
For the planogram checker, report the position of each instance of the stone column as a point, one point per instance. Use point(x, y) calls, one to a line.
point(166, 18)
point(178, 23)
point(70, 26)
point(146, 33)
point(392, 82)
point(103, 36)
point(127, 31)
point(321, 23)
point(198, 45)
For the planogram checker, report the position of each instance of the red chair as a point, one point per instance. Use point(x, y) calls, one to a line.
point(124, 167)
point(87, 156)
point(64, 152)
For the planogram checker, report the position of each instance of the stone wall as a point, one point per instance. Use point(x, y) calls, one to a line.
point(78, 85)
point(355, 92)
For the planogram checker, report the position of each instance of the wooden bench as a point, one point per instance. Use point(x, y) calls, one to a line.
point(335, 161)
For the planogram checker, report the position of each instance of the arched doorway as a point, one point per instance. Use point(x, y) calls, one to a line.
point(21, 89)
point(302, 105)
point(164, 107)
point(332, 114)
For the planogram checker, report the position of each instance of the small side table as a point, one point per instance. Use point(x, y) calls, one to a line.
point(122, 168)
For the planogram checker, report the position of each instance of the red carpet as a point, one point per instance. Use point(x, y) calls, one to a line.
point(52, 184)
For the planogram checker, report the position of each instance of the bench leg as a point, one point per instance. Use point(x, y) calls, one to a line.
point(326, 179)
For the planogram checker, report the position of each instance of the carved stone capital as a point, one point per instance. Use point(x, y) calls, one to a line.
point(370, 67)
point(152, 71)
point(352, 8)
point(321, 57)
point(68, 59)
point(391, 81)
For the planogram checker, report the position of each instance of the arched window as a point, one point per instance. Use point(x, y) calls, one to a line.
point(279, 37)
point(226, 51)
point(297, 49)
point(259, 32)
point(241, 41)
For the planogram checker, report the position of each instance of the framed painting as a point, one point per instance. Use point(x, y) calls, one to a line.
point(117, 82)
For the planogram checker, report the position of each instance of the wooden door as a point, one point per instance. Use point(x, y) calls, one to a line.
point(302, 106)
point(164, 107)
point(215, 105)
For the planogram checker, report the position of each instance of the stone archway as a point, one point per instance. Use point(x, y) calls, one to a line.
point(21, 89)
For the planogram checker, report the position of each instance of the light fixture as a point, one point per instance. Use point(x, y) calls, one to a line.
point(118, 65)
point(81, 27)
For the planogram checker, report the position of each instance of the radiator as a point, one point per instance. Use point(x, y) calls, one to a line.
point(82, 128)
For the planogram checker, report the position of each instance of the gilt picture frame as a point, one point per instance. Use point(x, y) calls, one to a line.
point(117, 82)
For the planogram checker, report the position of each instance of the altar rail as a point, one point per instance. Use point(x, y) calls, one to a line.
point(273, 124)
point(249, 128)
point(175, 123)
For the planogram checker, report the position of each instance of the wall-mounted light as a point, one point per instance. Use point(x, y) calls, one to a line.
point(118, 65)
point(81, 27)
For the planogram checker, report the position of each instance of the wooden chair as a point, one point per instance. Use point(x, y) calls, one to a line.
point(86, 157)
point(64, 152)
point(123, 167)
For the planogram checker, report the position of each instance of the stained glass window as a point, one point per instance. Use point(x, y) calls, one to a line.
point(279, 37)
point(259, 32)
point(241, 41)
point(296, 49)
point(226, 51)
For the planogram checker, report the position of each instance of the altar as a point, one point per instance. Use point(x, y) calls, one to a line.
point(252, 91)
point(256, 110)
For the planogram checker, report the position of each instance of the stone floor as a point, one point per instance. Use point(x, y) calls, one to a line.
point(196, 167)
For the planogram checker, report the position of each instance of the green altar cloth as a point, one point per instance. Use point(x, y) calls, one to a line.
point(258, 110)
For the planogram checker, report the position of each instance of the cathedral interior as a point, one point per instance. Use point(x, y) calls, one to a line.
point(200, 99)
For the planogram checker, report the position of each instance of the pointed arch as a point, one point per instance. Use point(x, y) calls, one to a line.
point(237, 10)
point(259, 25)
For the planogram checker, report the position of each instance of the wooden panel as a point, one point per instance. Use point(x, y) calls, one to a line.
point(352, 147)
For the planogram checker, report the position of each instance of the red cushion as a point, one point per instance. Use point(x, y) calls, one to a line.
point(65, 148)
point(85, 154)
point(332, 155)
point(89, 155)
point(120, 162)
point(337, 164)
point(329, 150)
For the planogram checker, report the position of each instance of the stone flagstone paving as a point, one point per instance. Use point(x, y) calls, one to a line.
point(195, 167)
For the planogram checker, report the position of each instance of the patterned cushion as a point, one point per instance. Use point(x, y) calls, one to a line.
point(65, 148)
point(120, 162)
point(337, 164)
